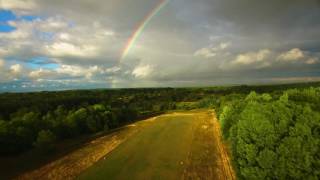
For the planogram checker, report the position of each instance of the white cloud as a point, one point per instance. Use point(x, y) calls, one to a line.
point(252, 57)
point(296, 55)
point(205, 52)
point(40, 73)
point(16, 69)
point(54, 38)
point(21, 6)
point(52, 24)
point(60, 49)
point(291, 55)
point(92, 71)
point(113, 69)
point(224, 45)
point(270, 58)
point(212, 51)
point(71, 70)
point(142, 71)
point(86, 72)
point(64, 36)
point(312, 60)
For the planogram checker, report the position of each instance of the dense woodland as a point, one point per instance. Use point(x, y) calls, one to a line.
point(272, 136)
point(273, 131)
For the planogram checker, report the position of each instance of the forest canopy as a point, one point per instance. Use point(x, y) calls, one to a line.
point(274, 137)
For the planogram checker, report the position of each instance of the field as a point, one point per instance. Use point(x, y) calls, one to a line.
point(178, 145)
point(173, 146)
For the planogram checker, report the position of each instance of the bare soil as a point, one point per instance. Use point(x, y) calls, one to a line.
point(208, 158)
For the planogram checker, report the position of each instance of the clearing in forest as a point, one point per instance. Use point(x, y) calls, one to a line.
point(179, 145)
point(184, 145)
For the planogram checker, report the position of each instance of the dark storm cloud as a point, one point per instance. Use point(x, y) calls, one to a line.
point(251, 14)
point(290, 22)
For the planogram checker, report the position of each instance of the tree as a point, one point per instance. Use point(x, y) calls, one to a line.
point(45, 141)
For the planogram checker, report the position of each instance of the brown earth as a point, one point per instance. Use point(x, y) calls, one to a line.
point(208, 158)
point(225, 169)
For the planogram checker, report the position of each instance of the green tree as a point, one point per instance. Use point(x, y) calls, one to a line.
point(45, 141)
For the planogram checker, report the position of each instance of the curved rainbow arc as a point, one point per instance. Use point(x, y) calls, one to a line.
point(133, 38)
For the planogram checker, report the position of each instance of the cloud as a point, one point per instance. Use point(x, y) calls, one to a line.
point(87, 74)
point(79, 71)
point(21, 6)
point(54, 38)
point(61, 49)
point(272, 14)
point(16, 69)
point(40, 74)
point(205, 52)
point(312, 60)
point(270, 59)
point(212, 51)
point(67, 44)
point(292, 55)
point(252, 57)
point(1, 63)
point(296, 55)
point(142, 71)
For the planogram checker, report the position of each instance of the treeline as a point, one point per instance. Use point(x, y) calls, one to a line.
point(272, 136)
point(142, 99)
point(27, 129)
point(40, 119)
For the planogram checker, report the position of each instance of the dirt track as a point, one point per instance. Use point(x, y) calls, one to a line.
point(224, 163)
point(208, 158)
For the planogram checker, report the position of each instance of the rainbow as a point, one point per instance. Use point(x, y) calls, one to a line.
point(138, 31)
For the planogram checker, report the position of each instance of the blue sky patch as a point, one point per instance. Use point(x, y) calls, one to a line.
point(7, 15)
point(42, 62)
point(6, 28)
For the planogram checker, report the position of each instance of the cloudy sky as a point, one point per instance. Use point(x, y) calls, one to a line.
point(56, 45)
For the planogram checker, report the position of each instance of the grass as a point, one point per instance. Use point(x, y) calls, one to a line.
point(70, 157)
point(176, 145)
point(157, 152)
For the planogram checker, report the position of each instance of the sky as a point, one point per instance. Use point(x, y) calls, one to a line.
point(82, 44)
